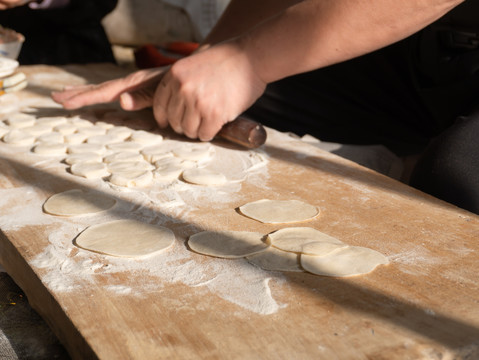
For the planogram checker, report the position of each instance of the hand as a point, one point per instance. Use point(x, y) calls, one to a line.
point(201, 93)
point(8, 4)
point(134, 91)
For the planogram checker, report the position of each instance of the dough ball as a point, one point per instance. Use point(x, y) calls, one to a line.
point(296, 238)
point(348, 261)
point(227, 244)
point(126, 238)
point(276, 260)
point(279, 211)
point(77, 202)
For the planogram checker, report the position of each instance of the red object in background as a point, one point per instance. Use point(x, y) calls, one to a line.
point(149, 56)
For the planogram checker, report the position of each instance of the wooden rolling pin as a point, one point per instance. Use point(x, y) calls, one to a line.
point(244, 132)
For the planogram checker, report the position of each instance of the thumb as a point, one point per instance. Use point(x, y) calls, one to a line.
point(137, 100)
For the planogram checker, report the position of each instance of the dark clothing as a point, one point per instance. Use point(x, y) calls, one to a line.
point(402, 96)
point(58, 36)
point(449, 168)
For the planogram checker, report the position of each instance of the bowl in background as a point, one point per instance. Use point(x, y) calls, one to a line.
point(10, 43)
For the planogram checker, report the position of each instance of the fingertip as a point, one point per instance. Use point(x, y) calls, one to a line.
point(126, 101)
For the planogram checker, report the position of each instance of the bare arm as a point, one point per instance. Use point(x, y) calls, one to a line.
point(249, 49)
point(316, 33)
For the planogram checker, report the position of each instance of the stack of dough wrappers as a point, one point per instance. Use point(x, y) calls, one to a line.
point(10, 79)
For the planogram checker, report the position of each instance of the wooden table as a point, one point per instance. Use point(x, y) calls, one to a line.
point(182, 305)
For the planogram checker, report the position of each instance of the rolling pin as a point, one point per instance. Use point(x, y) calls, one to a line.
point(244, 132)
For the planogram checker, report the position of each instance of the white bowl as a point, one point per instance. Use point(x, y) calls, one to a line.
point(10, 43)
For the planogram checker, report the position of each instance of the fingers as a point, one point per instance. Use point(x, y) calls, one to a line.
point(160, 103)
point(140, 84)
point(137, 100)
point(84, 95)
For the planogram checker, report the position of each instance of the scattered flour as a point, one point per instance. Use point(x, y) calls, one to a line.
point(65, 268)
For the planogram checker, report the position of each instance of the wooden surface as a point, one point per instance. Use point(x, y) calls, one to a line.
point(177, 305)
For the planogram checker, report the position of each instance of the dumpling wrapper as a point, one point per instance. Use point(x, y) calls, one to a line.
point(203, 176)
point(276, 260)
point(295, 239)
point(126, 238)
point(279, 211)
point(77, 202)
point(349, 261)
point(227, 244)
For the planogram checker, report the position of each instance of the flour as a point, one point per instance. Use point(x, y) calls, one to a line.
point(65, 268)
point(233, 280)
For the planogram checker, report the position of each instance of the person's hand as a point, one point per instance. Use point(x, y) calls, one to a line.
point(202, 92)
point(8, 4)
point(134, 91)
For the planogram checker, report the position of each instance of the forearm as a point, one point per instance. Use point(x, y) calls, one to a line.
point(242, 15)
point(317, 33)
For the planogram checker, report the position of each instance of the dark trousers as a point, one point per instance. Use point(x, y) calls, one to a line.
point(417, 96)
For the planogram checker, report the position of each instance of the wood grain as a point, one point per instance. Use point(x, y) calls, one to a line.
point(425, 304)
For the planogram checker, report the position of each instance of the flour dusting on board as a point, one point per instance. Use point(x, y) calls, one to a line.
point(64, 267)
point(236, 281)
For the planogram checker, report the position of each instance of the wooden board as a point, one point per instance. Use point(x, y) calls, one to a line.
point(178, 305)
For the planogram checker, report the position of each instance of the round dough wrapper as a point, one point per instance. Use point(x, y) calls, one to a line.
point(168, 173)
point(77, 202)
point(51, 149)
point(83, 148)
point(145, 137)
point(75, 138)
point(20, 120)
point(102, 139)
point(126, 238)
point(129, 166)
point(204, 177)
point(294, 239)
point(156, 152)
point(52, 121)
point(125, 146)
point(120, 132)
point(18, 137)
point(194, 151)
point(50, 138)
point(227, 244)
point(65, 129)
point(134, 178)
point(349, 261)
point(279, 211)
point(92, 131)
point(123, 156)
point(276, 260)
point(90, 169)
point(83, 157)
point(37, 130)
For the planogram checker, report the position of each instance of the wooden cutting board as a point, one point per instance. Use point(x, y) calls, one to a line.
point(182, 305)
